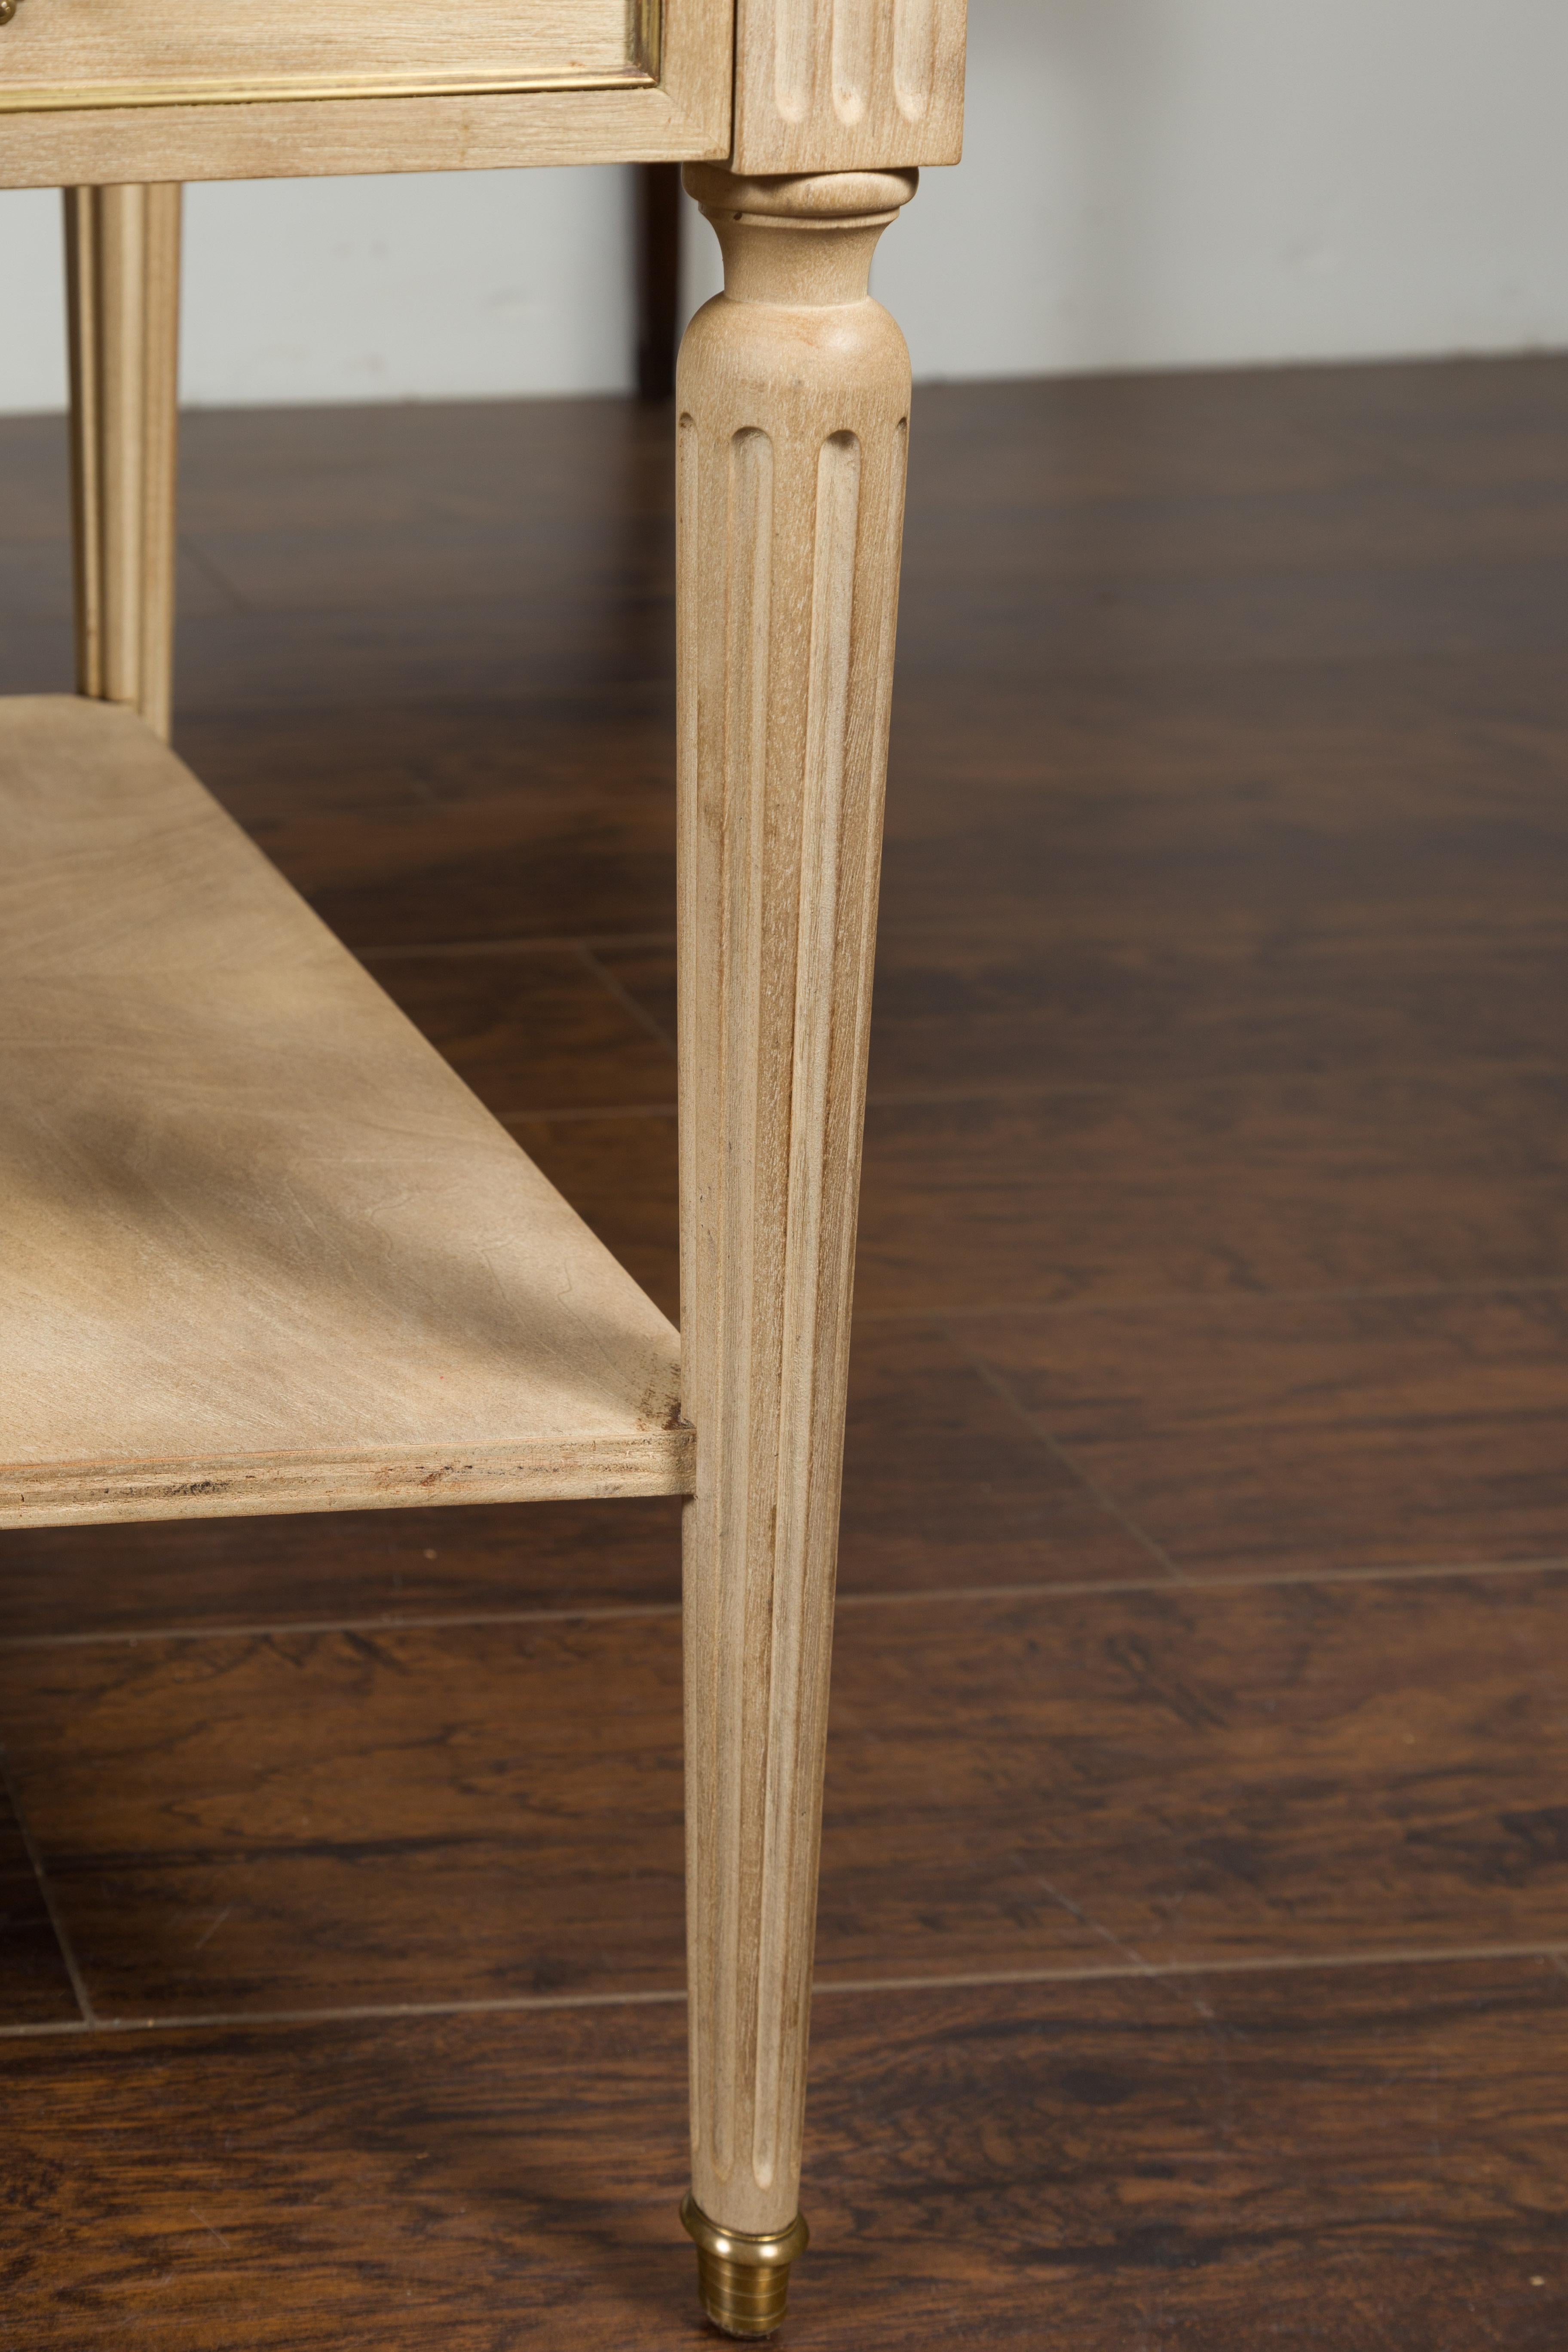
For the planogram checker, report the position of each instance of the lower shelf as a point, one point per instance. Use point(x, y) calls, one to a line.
point(263, 1250)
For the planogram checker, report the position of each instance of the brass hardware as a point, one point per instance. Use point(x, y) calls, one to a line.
point(743, 2280)
point(647, 35)
point(22, 97)
point(8, 10)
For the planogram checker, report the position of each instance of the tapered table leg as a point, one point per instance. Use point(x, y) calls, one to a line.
point(122, 264)
point(792, 406)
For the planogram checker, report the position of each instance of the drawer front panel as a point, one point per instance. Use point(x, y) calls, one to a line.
point(74, 54)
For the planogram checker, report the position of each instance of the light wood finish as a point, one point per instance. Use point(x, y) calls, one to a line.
point(122, 271)
point(263, 1250)
point(58, 54)
point(688, 115)
point(793, 402)
point(848, 85)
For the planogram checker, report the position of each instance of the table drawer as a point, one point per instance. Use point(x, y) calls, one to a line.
point(76, 54)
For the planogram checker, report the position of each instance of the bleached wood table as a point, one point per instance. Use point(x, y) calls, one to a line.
point(264, 1251)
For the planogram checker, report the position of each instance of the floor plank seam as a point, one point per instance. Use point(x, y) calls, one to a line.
point(613, 1111)
point(1263, 1964)
point(943, 1596)
point(625, 999)
point(349, 2013)
point(195, 554)
point(1134, 1960)
point(1041, 1090)
point(1003, 1392)
point(46, 1896)
point(544, 943)
point(1186, 1581)
point(1189, 1301)
point(1554, 1954)
point(263, 1629)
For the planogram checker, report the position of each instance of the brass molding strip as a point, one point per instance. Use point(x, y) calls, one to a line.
point(648, 38)
point(51, 99)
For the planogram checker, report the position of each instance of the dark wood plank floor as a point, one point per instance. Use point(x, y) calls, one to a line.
point(1194, 1947)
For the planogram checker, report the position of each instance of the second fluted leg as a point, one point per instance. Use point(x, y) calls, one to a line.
point(122, 263)
point(792, 406)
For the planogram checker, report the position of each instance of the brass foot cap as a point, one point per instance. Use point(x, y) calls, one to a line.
point(743, 2280)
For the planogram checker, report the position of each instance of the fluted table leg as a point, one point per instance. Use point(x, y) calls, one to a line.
point(792, 402)
point(122, 262)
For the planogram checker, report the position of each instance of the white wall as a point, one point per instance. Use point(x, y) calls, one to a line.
point(1169, 182)
point(396, 288)
point(1149, 182)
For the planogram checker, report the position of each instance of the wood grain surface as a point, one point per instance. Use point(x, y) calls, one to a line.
point(123, 301)
point(946, 1486)
point(317, 1272)
point(1366, 2156)
point(608, 110)
point(365, 1567)
point(793, 400)
point(848, 85)
point(296, 1819)
point(1212, 1248)
point(1250, 1435)
point(65, 55)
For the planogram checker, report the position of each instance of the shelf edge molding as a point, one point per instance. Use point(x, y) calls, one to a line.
point(67, 1493)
